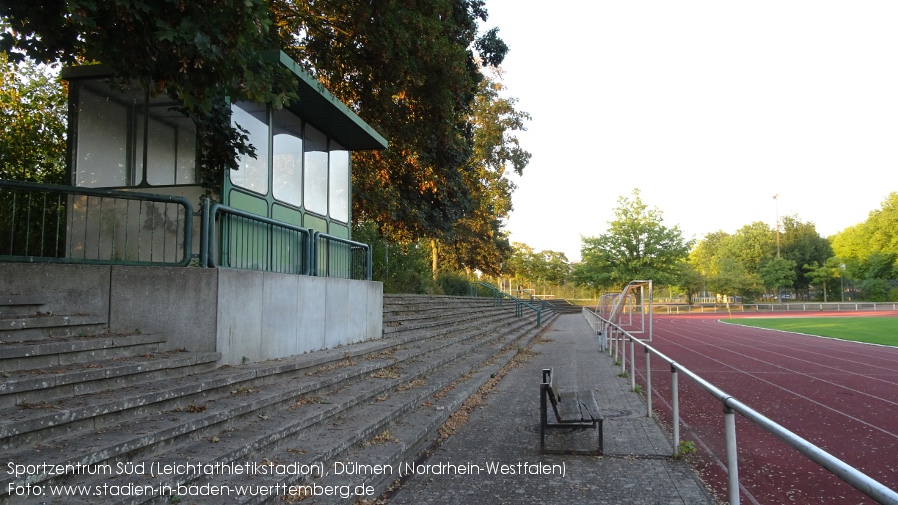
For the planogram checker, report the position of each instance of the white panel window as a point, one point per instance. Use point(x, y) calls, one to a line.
point(253, 172)
point(102, 157)
point(171, 147)
point(339, 183)
point(161, 151)
point(315, 164)
point(287, 158)
point(186, 157)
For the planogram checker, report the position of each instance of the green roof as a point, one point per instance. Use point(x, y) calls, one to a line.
point(318, 106)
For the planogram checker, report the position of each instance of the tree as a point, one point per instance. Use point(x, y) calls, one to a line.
point(870, 249)
point(403, 268)
point(733, 279)
point(637, 246)
point(408, 69)
point(777, 273)
point(803, 245)
point(689, 281)
point(704, 257)
point(752, 245)
point(32, 123)
point(477, 240)
point(822, 274)
point(199, 52)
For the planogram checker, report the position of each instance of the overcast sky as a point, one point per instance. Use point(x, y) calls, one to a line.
point(708, 107)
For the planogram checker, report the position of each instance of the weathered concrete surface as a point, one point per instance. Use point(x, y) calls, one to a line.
point(63, 289)
point(239, 313)
point(171, 301)
point(637, 467)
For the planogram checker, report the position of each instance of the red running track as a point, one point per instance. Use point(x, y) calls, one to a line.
point(841, 396)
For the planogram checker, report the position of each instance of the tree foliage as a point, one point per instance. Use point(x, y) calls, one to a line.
point(198, 52)
point(870, 249)
point(32, 123)
point(746, 262)
point(637, 246)
point(778, 273)
point(824, 274)
point(531, 268)
point(804, 246)
point(409, 71)
point(477, 240)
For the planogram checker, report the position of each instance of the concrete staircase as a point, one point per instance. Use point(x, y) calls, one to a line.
point(110, 409)
point(563, 306)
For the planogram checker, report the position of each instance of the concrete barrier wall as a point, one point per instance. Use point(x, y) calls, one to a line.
point(63, 289)
point(239, 313)
point(179, 303)
point(269, 315)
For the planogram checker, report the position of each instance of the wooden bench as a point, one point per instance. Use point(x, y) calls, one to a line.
point(572, 410)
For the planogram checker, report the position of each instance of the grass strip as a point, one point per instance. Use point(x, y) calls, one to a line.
point(873, 330)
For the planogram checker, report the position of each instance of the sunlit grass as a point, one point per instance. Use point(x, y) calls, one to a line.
point(874, 330)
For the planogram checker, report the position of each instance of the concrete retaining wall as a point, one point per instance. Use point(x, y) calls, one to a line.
point(239, 313)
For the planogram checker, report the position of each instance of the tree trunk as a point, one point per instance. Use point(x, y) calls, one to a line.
point(433, 249)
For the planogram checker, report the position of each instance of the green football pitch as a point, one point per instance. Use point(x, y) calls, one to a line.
point(874, 330)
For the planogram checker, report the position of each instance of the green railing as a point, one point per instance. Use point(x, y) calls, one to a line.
point(340, 257)
point(519, 304)
point(234, 238)
point(64, 224)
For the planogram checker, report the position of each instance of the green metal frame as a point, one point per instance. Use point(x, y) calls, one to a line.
point(519, 304)
point(103, 225)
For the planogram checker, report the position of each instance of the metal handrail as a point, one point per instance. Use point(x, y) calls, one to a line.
point(346, 266)
point(519, 303)
point(93, 226)
point(854, 477)
point(775, 307)
point(212, 212)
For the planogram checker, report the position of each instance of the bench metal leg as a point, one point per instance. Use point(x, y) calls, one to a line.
point(543, 421)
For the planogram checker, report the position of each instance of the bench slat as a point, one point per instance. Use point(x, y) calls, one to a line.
point(569, 409)
point(588, 405)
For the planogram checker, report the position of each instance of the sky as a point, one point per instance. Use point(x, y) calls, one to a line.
point(709, 108)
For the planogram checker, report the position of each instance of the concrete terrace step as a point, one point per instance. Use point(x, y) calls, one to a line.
point(565, 307)
point(418, 429)
point(48, 352)
point(405, 424)
point(435, 326)
point(38, 326)
point(435, 312)
point(40, 385)
point(19, 305)
point(21, 426)
point(443, 314)
point(393, 303)
point(317, 428)
point(279, 394)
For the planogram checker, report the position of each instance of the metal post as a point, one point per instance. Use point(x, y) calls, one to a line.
point(615, 348)
point(611, 347)
point(204, 232)
point(632, 367)
point(622, 343)
point(651, 310)
point(609, 339)
point(675, 406)
point(729, 423)
point(648, 383)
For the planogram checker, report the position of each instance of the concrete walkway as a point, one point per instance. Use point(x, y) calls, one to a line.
point(636, 468)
